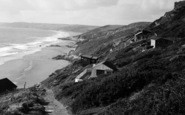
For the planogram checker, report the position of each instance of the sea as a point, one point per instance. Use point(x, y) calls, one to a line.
point(26, 55)
point(15, 43)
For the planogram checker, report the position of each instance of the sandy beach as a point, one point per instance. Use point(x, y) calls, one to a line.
point(36, 67)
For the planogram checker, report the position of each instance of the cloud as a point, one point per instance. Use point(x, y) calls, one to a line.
point(13, 6)
point(96, 3)
point(144, 10)
point(95, 12)
point(70, 4)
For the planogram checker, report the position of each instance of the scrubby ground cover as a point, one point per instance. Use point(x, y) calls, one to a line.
point(23, 102)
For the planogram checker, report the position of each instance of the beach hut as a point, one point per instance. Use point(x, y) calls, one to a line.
point(157, 42)
point(6, 85)
point(84, 75)
point(89, 59)
point(102, 68)
point(142, 35)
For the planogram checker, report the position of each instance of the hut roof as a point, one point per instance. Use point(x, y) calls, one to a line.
point(155, 37)
point(89, 57)
point(144, 32)
point(84, 74)
point(160, 38)
point(108, 64)
point(6, 84)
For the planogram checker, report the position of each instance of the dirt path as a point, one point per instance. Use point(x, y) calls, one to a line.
point(54, 106)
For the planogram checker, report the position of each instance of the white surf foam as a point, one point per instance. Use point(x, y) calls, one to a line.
point(17, 51)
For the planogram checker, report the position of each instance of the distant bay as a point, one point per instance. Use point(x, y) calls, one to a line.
point(26, 57)
point(18, 42)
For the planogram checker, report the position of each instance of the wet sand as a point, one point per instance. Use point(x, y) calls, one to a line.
point(36, 67)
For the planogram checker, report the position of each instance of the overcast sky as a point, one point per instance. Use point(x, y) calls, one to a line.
point(91, 12)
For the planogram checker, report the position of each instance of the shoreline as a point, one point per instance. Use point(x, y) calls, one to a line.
point(21, 50)
point(36, 67)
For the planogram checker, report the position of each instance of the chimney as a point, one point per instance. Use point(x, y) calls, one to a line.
point(94, 65)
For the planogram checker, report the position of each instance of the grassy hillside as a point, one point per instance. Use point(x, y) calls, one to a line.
point(147, 82)
point(99, 41)
point(151, 77)
point(172, 24)
point(23, 102)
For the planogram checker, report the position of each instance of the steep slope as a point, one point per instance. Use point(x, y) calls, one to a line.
point(99, 41)
point(147, 82)
point(172, 24)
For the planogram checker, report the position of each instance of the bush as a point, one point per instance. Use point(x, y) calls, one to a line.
point(114, 87)
point(166, 98)
point(147, 54)
point(151, 74)
point(123, 62)
point(72, 89)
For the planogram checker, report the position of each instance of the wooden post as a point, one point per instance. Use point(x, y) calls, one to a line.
point(12, 96)
point(25, 85)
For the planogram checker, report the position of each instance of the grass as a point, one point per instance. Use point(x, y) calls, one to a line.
point(149, 82)
point(143, 72)
point(22, 102)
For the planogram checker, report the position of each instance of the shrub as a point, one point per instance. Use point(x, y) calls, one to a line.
point(122, 62)
point(166, 98)
point(72, 89)
point(114, 87)
point(147, 54)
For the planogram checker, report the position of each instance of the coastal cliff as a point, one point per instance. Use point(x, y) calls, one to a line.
point(148, 81)
point(172, 24)
point(56, 27)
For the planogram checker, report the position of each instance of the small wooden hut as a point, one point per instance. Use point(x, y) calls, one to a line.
point(6, 85)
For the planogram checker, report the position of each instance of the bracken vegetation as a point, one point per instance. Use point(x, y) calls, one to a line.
point(147, 82)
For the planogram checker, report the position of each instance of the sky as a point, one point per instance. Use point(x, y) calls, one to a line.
point(87, 12)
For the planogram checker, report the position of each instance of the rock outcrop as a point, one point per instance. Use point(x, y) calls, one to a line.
point(179, 4)
point(172, 23)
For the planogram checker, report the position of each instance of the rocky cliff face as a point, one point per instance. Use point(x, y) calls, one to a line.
point(179, 4)
point(152, 80)
point(172, 23)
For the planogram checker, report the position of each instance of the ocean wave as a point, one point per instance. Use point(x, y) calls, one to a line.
point(4, 49)
point(8, 54)
point(16, 51)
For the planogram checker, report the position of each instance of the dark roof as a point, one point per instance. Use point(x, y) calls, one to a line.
point(89, 56)
point(110, 65)
point(6, 84)
point(160, 38)
point(146, 31)
point(155, 37)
